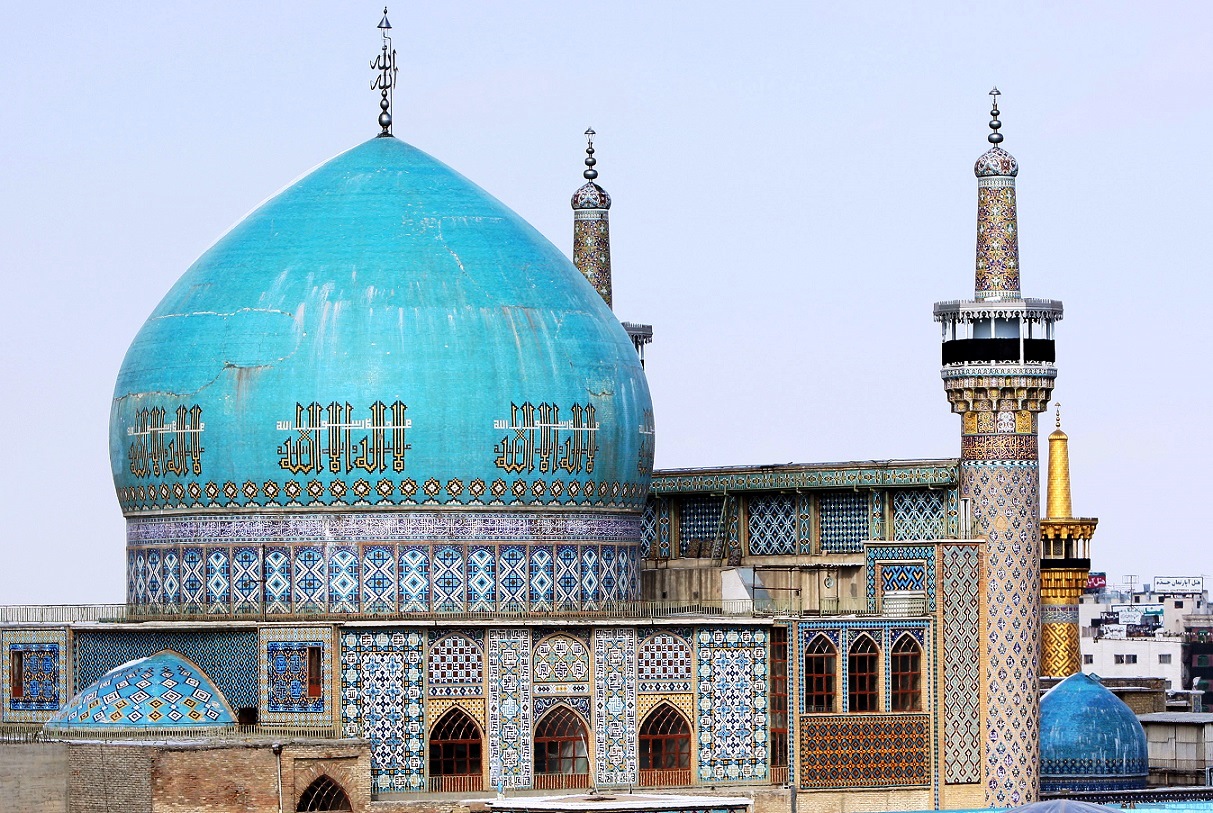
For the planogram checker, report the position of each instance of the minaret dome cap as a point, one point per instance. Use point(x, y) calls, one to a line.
point(994, 162)
point(591, 196)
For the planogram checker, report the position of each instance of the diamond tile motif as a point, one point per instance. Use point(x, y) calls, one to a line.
point(246, 579)
point(449, 588)
point(899, 577)
point(379, 579)
point(865, 751)
point(960, 595)
point(699, 525)
point(543, 584)
point(42, 654)
point(772, 524)
point(567, 576)
point(414, 579)
point(218, 581)
point(310, 588)
point(343, 580)
point(590, 592)
point(482, 579)
point(193, 580)
point(512, 577)
point(919, 513)
point(844, 521)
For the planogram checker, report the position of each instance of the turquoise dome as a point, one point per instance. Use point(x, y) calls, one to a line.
point(165, 690)
point(1089, 739)
point(382, 391)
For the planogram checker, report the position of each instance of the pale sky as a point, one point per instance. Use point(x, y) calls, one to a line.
point(792, 188)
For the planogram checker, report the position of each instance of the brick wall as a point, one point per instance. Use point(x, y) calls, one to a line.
point(103, 777)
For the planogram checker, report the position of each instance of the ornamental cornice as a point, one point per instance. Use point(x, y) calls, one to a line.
point(701, 480)
point(971, 310)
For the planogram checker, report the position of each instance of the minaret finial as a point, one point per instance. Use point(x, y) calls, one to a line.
point(1057, 404)
point(590, 173)
point(995, 137)
point(385, 63)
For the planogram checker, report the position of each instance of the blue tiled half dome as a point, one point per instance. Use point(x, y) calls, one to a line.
point(1089, 739)
point(165, 690)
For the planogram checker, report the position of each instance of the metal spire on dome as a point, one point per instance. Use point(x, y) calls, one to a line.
point(385, 63)
point(995, 137)
point(590, 173)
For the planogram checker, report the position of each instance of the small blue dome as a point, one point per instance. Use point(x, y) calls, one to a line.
point(1089, 739)
point(165, 690)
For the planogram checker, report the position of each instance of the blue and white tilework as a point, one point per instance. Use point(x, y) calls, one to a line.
point(561, 666)
point(614, 719)
point(45, 685)
point(731, 703)
point(771, 521)
point(699, 525)
point(665, 664)
point(510, 722)
point(382, 689)
point(283, 687)
point(919, 513)
point(960, 597)
point(844, 521)
point(456, 664)
point(915, 555)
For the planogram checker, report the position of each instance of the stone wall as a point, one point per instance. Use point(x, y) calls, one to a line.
point(33, 777)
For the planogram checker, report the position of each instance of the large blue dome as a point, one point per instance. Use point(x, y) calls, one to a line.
point(382, 335)
point(1089, 739)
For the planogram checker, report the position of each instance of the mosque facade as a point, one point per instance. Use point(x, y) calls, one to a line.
point(386, 460)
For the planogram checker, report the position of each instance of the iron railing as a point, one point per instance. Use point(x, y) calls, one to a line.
point(467, 783)
point(61, 613)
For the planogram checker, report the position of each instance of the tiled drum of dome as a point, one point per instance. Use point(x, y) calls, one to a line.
point(731, 702)
point(844, 521)
point(771, 522)
point(919, 514)
point(456, 665)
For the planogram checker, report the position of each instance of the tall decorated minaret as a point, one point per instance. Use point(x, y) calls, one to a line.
point(1065, 563)
point(592, 226)
point(998, 371)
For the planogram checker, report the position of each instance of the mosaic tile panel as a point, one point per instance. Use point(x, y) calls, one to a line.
point(512, 577)
point(901, 577)
point(844, 521)
point(229, 658)
point(449, 588)
point(614, 720)
point(792, 478)
point(685, 703)
point(510, 721)
point(561, 665)
point(732, 532)
point(379, 583)
point(472, 706)
point(771, 522)
point(731, 690)
point(699, 525)
point(456, 665)
point(590, 577)
point(382, 687)
point(876, 506)
point(960, 595)
point(542, 578)
point(1006, 512)
point(567, 577)
point(664, 664)
point(877, 555)
point(581, 705)
point(865, 751)
point(310, 584)
point(193, 575)
point(664, 546)
point(648, 530)
point(414, 579)
point(218, 581)
point(804, 522)
point(482, 579)
point(919, 513)
point(283, 687)
point(45, 674)
point(277, 576)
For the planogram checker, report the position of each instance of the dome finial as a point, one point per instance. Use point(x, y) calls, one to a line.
point(1057, 405)
point(995, 137)
point(590, 173)
point(385, 63)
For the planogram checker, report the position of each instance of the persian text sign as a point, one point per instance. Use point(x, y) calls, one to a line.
point(1179, 584)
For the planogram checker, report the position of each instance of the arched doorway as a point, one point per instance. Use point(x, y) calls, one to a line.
point(456, 754)
point(324, 794)
point(562, 756)
point(665, 748)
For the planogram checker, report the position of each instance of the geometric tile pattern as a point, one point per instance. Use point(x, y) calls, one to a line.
point(615, 705)
point(581, 705)
point(1059, 649)
point(648, 530)
point(1006, 512)
point(791, 478)
point(379, 583)
point(896, 577)
point(382, 686)
point(456, 665)
point(919, 513)
point(283, 687)
point(510, 720)
point(804, 522)
point(865, 750)
point(876, 505)
point(663, 529)
point(44, 654)
point(685, 703)
point(699, 521)
point(772, 524)
point(563, 661)
point(228, 657)
point(843, 634)
point(665, 664)
point(731, 683)
point(960, 595)
point(921, 555)
point(844, 521)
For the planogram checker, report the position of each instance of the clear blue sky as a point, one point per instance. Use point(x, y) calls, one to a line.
point(793, 190)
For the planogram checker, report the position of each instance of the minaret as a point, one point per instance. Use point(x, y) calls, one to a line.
point(998, 371)
point(1065, 563)
point(592, 227)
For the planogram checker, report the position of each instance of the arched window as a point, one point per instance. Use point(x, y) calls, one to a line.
point(863, 674)
point(561, 750)
point(455, 754)
point(324, 794)
point(820, 671)
point(907, 675)
point(665, 748)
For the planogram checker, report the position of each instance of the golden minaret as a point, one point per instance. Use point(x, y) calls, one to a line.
point(1064, 564)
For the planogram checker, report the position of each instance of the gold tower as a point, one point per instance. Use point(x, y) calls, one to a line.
point(1065, 562)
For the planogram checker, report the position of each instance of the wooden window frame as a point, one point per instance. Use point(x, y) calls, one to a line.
point(863, 676)
point(821, 676)
point(315, 671)
point(906, 675)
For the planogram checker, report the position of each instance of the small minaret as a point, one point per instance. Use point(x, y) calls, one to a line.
point(1065, 563)
point(998, 371)
point(592, 227)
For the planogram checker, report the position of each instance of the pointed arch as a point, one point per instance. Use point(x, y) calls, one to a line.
point(821, 676)
point(863, 674)
point(562, 756)
point(665, 748)
point(324, 794)
point(906, 674)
